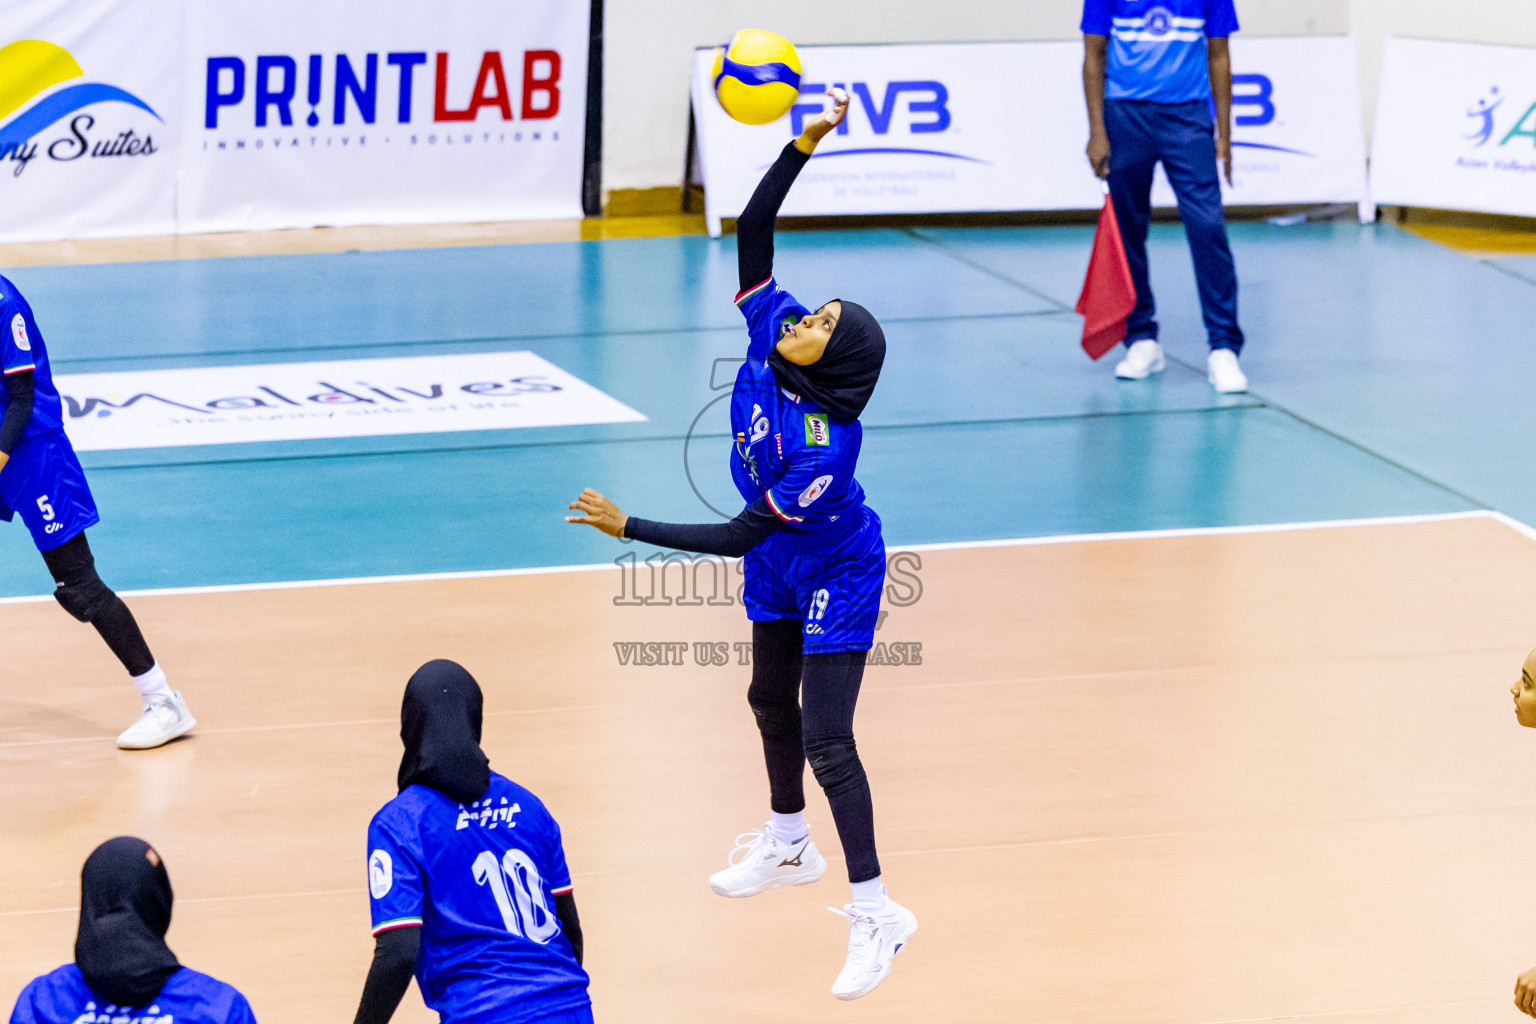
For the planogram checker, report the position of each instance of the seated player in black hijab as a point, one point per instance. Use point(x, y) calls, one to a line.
point(814, 561)
point(123, 969)
point(467, 875)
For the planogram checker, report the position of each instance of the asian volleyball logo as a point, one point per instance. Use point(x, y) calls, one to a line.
point(30, 69)
point(381, 875)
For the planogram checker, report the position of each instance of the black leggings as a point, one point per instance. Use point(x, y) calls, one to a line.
point(87, 598)
point(820, 731)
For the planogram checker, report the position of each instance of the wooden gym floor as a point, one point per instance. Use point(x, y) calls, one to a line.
point(1169, 780)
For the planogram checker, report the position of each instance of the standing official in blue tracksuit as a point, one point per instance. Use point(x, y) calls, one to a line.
point(1152, 72)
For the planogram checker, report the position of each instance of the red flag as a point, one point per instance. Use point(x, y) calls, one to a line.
point(1109, 294)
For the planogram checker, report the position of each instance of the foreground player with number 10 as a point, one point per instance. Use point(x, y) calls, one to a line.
point(815, 564)
point(467, 875)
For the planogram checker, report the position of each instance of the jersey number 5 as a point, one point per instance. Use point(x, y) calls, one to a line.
point(515, 878)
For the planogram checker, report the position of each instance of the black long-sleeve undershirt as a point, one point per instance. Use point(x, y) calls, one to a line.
point(394, 961)
point(396, 951)
point(732, 539)
point(20, 389)
point(754, 228)
point(570, 923)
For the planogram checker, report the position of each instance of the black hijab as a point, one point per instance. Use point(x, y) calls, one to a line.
point(440, 725)
point(125, 910)
point(842, 380)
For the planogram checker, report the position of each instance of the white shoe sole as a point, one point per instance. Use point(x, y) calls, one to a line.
point(1230, 389)
point(181, 730)
point(805, 876)
point(901, 945)
point(1158, 366)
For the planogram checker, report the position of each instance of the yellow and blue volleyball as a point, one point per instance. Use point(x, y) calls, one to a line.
point(757, 76)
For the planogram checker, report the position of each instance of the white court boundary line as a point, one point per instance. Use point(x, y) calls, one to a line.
point(1017, 542)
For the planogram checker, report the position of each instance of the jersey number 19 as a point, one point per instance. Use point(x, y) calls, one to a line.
point(515, 878)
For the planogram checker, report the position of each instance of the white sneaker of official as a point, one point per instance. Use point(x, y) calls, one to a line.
point(761, 862)
point(1225, 375)
point(1142, 359)
point(874, 939)
point(162, 720)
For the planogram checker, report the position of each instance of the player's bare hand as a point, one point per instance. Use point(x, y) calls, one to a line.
point(1098, 155)
point(1525, 992)
point(598, 511)
point(818, 129)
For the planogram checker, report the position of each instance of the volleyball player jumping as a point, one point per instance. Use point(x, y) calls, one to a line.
point(41, 479)
point(814, 562)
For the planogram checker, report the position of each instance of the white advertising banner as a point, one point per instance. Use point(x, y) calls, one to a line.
point(363, 112)
point(1002, 126)
point(351, 398)
point(134, 117)
point(1456, 127)
point(1298, 133)
point(90, 118)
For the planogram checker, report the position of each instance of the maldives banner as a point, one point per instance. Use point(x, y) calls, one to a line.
point(90, 118)
point(343, 398)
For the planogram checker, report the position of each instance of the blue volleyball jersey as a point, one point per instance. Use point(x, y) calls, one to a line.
point(1157, 48)
point(62, 997)
point(480, 880)
point(786, 449)
point(22, 349)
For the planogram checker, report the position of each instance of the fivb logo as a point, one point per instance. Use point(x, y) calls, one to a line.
point(270, 85)
point(927, 106)
point(916, 107)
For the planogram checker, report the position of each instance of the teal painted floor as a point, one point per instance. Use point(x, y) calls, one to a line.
point(1390, 377)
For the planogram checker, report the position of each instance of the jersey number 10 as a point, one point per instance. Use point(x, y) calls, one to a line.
point(515, 878)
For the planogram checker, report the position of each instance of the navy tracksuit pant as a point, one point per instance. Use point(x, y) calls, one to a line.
point(1182, 136)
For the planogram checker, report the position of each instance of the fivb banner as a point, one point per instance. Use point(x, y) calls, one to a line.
point(1002, 126)
point(90, 104)
point(1456, 127)
point(382, 112)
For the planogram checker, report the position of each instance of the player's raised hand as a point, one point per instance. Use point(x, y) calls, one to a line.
point(598, 511)
point(825, 122)
point(1525, 992)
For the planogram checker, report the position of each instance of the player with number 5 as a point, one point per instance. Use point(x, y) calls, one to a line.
point(467, 878)
point(41, 479)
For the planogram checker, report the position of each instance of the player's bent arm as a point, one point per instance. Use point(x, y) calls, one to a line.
point(20, 389)
point(570, 922)
point(394, 961)
point(754, 228)
point(732, 539)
